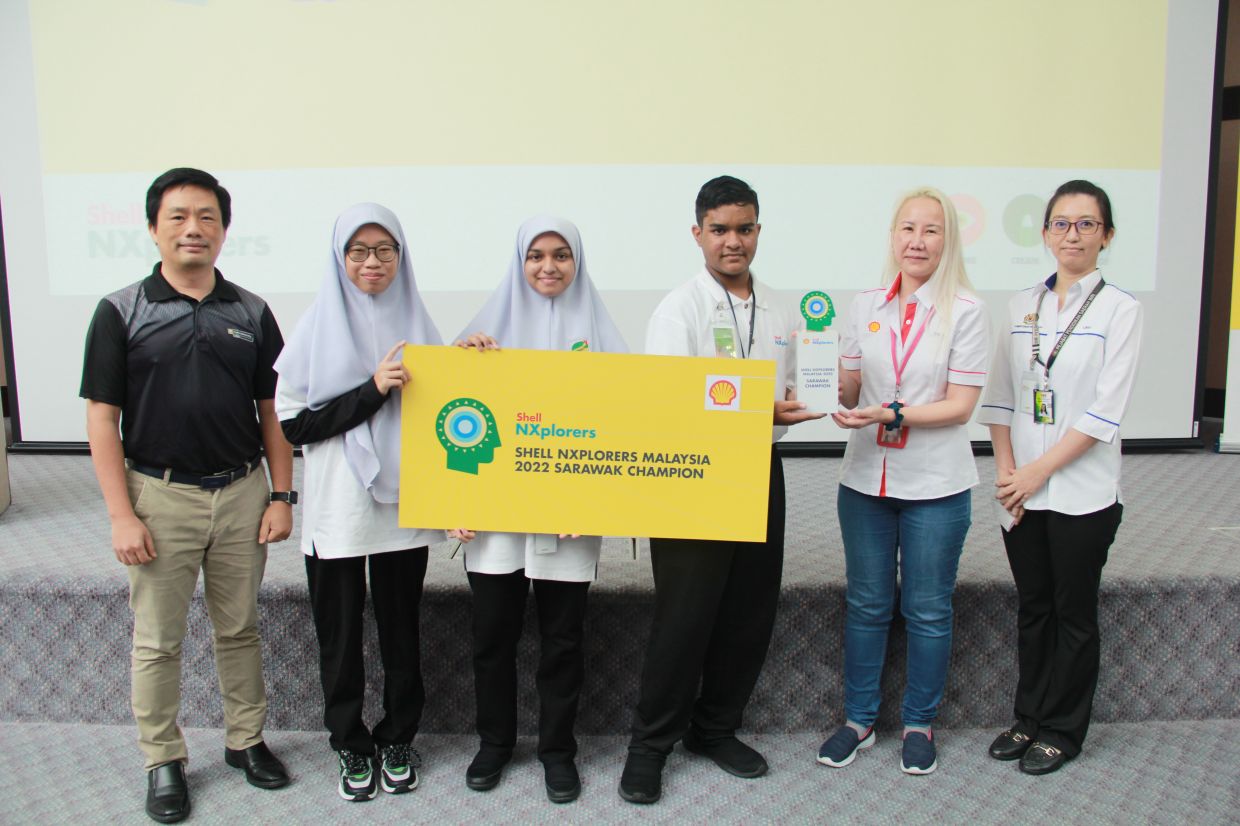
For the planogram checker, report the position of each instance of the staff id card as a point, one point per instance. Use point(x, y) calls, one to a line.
point(725, 341)
point(1044, 406)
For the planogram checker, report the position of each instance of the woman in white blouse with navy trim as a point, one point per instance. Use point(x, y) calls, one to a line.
point(1063, 375)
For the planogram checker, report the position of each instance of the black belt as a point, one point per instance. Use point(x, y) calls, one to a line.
point(212, 481)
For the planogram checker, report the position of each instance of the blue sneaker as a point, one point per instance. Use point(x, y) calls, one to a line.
point(841, 748)
point(918, 756)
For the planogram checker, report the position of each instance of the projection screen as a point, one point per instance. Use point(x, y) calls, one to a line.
point(467, 117)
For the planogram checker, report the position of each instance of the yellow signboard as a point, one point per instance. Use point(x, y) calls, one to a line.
point(586, 443)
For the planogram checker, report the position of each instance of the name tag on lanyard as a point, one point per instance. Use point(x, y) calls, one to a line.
point(1043, 406)
point(724, 341)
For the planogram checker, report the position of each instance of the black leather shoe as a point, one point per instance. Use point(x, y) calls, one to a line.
point(642, 779)
point(262, 768)
point(1010, 745)
point(1042, 758)
point(563, 782)
point(486, 769)
point(730, 754)
point(167, 794)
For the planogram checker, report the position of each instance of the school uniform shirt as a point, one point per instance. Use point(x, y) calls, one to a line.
point(935, 461)
point(340, 518)
point(1091, 380)
point(683, 325)
point(543, 556)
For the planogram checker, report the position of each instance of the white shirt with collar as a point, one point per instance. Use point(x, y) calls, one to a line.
point(683, 325)
point(935, 461)
point(1091, 380)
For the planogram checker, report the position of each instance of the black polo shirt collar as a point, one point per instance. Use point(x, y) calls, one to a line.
point(157, 288)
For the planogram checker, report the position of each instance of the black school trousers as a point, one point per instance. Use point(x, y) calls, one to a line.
point(338, 600)
point(1056, 562)
point(499, 614)
point(714, 611)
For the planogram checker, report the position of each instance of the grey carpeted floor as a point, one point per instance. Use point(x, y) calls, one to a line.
point(1175, 565)
point(1159, 773)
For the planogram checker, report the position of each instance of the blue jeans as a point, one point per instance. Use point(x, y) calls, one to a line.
point(925, 536)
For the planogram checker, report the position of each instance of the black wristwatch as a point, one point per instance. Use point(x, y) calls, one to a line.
point(289, 496)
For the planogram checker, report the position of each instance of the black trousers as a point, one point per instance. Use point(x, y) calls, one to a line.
point(337, 600)
point(1057, 561)
point(714, 611)
point(499, 613)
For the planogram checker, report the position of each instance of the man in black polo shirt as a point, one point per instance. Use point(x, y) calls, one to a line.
point(176, 367)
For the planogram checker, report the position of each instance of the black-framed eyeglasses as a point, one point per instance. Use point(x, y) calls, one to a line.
point(1085, 226)
point(384, 252)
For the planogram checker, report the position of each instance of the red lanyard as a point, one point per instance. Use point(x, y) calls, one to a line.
point(898, 364)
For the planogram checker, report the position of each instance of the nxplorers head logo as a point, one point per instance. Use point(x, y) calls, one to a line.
point(818, 310)
point(466, 428)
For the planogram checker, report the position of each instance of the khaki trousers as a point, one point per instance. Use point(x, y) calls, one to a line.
point(215, 531)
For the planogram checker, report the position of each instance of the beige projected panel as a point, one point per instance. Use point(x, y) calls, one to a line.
point(270, 84)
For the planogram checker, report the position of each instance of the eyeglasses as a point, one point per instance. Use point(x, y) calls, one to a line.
point(384, 252)
point(1085, 226)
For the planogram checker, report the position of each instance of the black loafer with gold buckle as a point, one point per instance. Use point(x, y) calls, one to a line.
point(1042, 759)
point(1010, 745)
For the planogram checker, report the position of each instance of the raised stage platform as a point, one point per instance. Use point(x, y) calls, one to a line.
point(1171, 614)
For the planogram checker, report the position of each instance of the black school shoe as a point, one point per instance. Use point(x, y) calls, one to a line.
point(563, 782)
point(167, 793)
point(1042, 758)
point(486, 769)
point(642, 779)
point(262, 768)
point(730, 754)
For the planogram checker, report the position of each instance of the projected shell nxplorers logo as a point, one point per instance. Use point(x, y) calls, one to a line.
point(466, 428)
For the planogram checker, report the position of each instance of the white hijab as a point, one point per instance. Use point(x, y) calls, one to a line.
point(339, 341)
point(517, 316)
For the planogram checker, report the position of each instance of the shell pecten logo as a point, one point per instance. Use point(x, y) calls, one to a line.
point(722, 392)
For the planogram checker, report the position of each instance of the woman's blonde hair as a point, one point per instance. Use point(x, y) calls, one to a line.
point(950, 278)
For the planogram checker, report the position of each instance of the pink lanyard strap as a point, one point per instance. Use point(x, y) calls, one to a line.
point(898, 364)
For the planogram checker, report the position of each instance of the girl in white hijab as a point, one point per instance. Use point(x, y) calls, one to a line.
point(338, 396)
point(546, 302)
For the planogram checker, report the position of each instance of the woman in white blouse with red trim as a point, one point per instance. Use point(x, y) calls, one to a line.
point(913, 360)
point(1064, 372)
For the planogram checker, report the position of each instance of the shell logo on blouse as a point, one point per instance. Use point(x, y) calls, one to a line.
point(875, 326)
point(578, 346)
